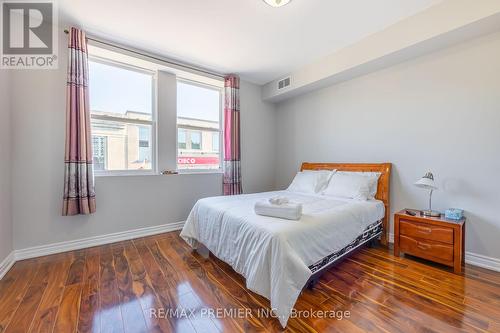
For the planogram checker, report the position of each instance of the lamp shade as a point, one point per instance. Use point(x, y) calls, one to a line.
point(427, 182)
point(277, 3)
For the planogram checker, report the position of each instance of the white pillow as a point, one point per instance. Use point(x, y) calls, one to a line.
point(352, 186)
point(322, 178)
point(373, 175)
point(310, 181)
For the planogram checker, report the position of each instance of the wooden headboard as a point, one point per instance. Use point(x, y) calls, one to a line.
point(383, 189)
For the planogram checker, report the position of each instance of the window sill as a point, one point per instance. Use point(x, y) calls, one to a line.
point(124, 173)
point(142, 174)
point(199, 172)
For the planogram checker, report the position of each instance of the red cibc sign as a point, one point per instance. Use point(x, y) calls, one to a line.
point(198, 160)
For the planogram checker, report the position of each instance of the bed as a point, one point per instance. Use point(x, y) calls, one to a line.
point(279, 257)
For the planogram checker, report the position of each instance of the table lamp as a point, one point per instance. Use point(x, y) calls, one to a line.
point(427, 182)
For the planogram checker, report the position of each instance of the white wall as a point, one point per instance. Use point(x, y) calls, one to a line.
point(439, 112)
point(123, 203)
point(5, 166)
point(258, 124)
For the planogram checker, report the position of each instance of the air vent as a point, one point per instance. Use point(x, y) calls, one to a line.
point(283, 83)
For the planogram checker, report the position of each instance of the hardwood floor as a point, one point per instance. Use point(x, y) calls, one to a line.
point(120, 287)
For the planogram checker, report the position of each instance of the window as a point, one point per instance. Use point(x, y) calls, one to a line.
point(215, 142)
point(138, 125)
point(195, 140)
point(144, 145)
point(181, 139)
point(198, 123)
point(99, 151)
point(122, 116)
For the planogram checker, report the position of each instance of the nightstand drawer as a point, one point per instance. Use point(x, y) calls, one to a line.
point(426, 249)
point(426, 231)
point(432, 238)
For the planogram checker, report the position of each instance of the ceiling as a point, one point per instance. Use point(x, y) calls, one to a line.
point(247, 37)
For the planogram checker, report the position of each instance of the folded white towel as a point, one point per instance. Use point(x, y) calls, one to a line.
point(289, 211)
point(279, 200)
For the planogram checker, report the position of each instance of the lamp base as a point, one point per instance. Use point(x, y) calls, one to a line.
point(431, 213)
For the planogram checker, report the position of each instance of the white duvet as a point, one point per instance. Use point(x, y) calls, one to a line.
point(274, 254)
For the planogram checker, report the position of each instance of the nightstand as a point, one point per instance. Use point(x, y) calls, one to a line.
point(433, 238)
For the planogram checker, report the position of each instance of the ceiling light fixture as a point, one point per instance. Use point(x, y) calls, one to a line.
point(276, 3)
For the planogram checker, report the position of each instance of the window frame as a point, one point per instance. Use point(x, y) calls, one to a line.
point(220, 89)
point(153, 122)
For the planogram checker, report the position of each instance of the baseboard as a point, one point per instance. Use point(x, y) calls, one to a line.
point(482, 261)
point(43, 250)
point(6, 264)
point(474, 259)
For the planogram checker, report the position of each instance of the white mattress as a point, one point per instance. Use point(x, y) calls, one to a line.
point(274, 254)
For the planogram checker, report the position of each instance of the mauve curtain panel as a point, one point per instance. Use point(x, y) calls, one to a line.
point(232, 157)
point(79, 195)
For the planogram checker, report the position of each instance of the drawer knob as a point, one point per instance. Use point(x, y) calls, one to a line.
point(424, 230)
point(423, 246)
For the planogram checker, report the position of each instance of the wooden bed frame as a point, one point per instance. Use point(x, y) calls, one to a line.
point(383, 194)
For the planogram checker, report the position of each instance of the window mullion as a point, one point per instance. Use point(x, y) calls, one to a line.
point(167, 121)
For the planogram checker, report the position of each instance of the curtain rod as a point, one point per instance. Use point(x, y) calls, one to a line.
point(192, 68)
